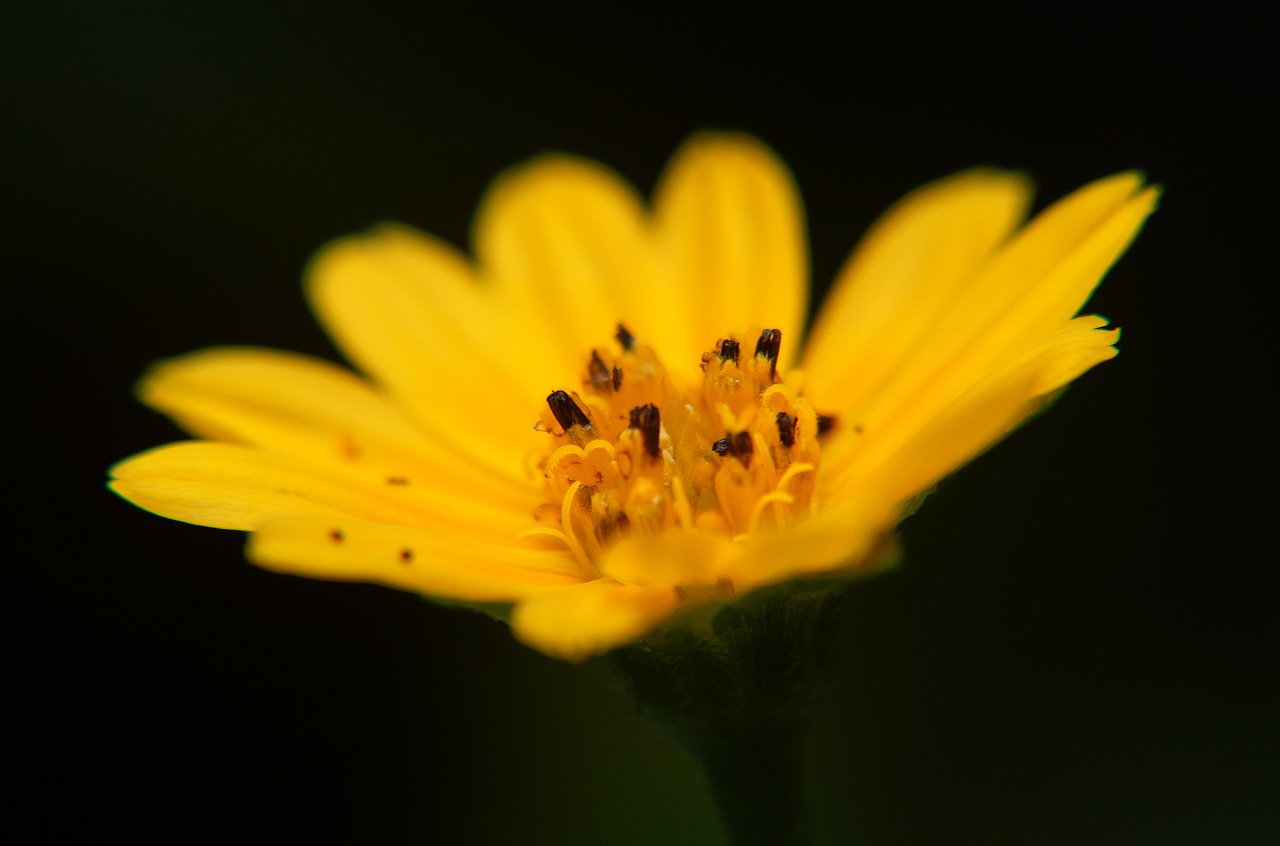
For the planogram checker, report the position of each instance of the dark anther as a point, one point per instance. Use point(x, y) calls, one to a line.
point(406, 555)
point(397, 480)
point(566, 410)
point(624, 337)
point(598, 371)
point(825, 424)
point(617, 379)
point(786, 429)
point(729, 350)
point(336, 535)
point(645, 418)
point(738, 445)
point(768, 345)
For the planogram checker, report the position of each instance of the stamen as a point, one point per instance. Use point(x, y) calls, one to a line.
point(763, 502)
point(629, 453)
point(566, 411)
point(566, 523)
point(729, 350)
point(786, 429)
point(598, 372)
point(624, 337)
point(585, 527)
point(792, 472)
point(768, 346)
point(646, 419)
point(738, 445)
point(826, 423)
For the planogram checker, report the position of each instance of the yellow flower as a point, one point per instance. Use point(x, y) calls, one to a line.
point(608, 415)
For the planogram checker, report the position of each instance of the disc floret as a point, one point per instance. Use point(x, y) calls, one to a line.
point(636, 452)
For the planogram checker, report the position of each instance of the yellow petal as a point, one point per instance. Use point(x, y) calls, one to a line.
point(730, 232)
point(1068, 353)
point(1020, 296)
point(313, 410)
point(566, 242)
point(577, 622)
point(430, 563)
point(674, 557)
point(910, 460)
point(843, 536)
point(1042, 277)
point(406, 309)
point(911, 268)
point(1049, 269)
point(233, 487)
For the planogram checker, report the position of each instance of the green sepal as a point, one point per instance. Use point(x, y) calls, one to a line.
point(759, 657)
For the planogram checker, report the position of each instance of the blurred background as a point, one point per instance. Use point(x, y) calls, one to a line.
point(1079, 648)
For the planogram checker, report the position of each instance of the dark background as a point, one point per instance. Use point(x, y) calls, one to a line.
point(1079, 647)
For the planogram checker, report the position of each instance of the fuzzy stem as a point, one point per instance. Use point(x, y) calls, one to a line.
point(736, 685)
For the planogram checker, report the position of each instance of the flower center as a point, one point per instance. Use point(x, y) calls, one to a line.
point(635, 451)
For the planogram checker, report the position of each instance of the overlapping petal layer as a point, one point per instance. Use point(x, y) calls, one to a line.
point(949, 325)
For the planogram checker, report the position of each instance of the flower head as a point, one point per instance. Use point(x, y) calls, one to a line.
point(609, 415)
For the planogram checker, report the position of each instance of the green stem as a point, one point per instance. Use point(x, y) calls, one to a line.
point(756, 777)
point(736, 684)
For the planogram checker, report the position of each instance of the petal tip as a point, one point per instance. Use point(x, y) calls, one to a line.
point(729, 149)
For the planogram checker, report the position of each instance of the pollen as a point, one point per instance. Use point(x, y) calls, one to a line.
point(636, 449)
